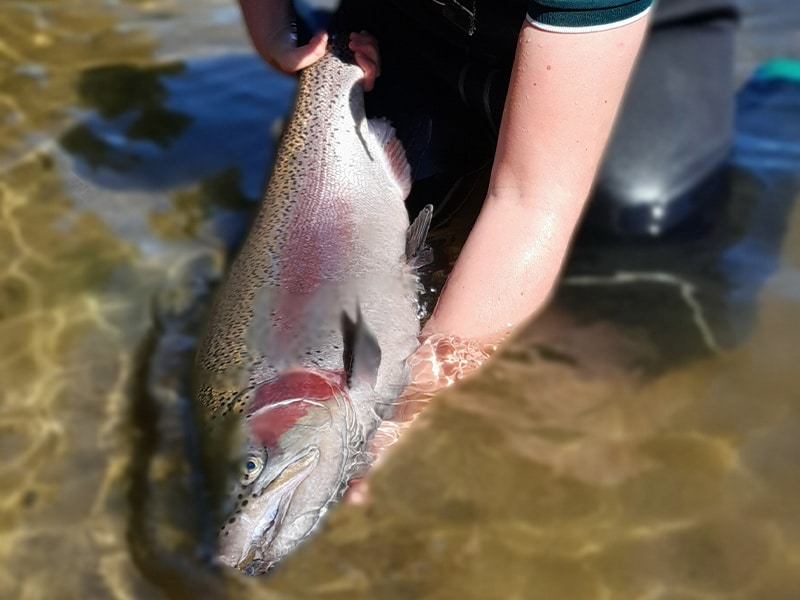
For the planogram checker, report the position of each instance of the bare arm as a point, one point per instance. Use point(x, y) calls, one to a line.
point(564, 94)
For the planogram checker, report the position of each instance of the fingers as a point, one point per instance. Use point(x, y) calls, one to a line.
point(365, 48)
point(284, 56)
point(311, 52)
point(291, 59)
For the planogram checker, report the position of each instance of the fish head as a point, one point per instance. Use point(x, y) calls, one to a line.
point(302, 445)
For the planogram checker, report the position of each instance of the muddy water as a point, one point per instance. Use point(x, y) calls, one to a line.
point(641, 440)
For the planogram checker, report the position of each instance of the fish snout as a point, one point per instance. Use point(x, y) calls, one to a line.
point(250, 563)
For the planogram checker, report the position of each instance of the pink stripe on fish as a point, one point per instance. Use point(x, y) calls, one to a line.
point(319, 236)
point(320, 233)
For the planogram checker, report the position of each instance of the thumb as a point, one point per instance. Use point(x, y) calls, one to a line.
point(303, 56)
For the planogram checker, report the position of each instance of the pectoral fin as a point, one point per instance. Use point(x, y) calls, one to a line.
point(361, 352)
point(418, 252)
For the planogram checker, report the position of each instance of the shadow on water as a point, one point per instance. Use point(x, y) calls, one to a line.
point(696, 293)
point(133, 95)
point(639, 440)
point(161, 126)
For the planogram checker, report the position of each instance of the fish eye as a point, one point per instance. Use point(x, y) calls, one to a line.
point(251, 468)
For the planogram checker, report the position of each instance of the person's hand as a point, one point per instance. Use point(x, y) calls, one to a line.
point(365, 48)
point(280, 50)
point(439, 362)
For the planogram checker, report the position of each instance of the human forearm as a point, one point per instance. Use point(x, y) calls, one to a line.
point(262, 18)
point(562, 100)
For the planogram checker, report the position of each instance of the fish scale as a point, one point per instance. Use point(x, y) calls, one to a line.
point(322, 275)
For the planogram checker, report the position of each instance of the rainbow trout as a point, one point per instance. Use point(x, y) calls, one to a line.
point(306, 345)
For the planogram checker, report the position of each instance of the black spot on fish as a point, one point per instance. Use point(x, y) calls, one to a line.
point(244, 502)
point(232, 520)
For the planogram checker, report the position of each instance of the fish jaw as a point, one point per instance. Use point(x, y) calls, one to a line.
point(247, 546)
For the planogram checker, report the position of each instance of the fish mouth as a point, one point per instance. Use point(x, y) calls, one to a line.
point(255, 557)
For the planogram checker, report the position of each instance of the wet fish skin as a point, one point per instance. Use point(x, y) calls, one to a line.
point(306, 346)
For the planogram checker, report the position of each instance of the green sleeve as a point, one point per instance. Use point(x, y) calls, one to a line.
point(578, 15)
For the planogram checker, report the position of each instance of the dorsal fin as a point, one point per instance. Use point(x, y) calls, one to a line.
point(361, 352)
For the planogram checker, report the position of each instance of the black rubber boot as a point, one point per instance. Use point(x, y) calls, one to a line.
point(666, 157)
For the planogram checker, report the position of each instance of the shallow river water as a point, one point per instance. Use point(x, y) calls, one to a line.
point(640, 440)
